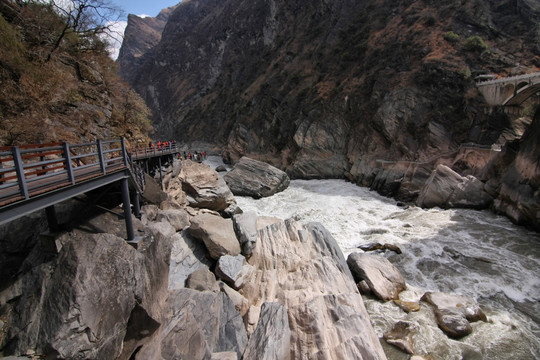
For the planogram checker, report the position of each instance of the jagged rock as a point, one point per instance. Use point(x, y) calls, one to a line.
point(92, 272)
point(163, 227)
point(232, 333)
point(401, 336)
point(255, 178)
point(453, 312)
point(221, 168)
point(179, 219)
point(303, 268)
point(240, 302)
point(233, 270)
point(245, 227)
point(202, 279)
point(252, 316)
point(191, 330)
point(187, 256)
point(217, 234)
point(383, 278)
point(195, 325)
point(149, 213)
point(152, 191)
point(447, 189)
point(272, 336)
point(379, 246)
point(204, 188)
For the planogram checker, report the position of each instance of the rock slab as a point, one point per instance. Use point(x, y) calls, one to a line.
point(256, 179)
point(383, 278)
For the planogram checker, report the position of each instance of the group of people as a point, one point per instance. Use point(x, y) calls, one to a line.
point(168, 145)
point(162, 145)
point(195, 156)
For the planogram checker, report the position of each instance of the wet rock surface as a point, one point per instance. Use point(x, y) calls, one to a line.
point(383, 278)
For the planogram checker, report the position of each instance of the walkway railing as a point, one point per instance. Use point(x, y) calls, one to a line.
point(30, 170)
point(152, 151)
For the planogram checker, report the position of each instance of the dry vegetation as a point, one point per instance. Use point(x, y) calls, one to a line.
point(58, 82)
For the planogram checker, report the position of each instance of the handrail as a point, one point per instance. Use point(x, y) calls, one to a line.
point(508, 79)
point(29, 170)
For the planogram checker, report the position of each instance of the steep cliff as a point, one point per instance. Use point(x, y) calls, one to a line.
point(336, 88)
point(59, 83)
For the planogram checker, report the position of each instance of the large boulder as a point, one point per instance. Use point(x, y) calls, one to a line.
point(59, 308)
point(187, 256)
point(204, 188)
point(256, 179)
point(454, 312)
point(383, 278)
point(196, 324)
point(217, 234)
point(271, 339)
point(245, 227)
point(447, 189)
point(302, 268)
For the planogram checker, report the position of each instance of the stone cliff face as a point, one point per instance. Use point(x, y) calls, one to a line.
point(329, 88)
point(142, 34)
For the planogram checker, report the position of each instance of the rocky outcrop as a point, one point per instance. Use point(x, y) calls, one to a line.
point(401, 336)
point(447, 189)
point(302, 268)
point(255, 178)
point(271, 339)
point(245, 227)
point(454, 312)
point(204, 187)
point(216, 233)
point(382, 278)
point(514, 178)
point(141, 35)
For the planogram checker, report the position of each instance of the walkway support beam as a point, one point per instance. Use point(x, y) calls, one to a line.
point(127, 210)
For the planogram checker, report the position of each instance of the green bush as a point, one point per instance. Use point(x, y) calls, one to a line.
point(465, 73)
point(451, 36)
point(475, 43)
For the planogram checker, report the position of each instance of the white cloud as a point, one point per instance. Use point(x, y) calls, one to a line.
point(114, 37)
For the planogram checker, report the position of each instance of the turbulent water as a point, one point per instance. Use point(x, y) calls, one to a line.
point(468, 252)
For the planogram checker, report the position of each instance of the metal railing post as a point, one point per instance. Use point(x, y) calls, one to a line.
point(67, 157)
point(100, 155)
point(124, 151)
point(19, 168)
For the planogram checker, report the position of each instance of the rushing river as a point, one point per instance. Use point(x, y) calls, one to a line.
point(473, 253)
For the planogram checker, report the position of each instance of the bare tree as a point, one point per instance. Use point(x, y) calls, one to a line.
point(86, 18)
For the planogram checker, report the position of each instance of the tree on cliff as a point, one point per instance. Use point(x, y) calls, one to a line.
point(58, 81)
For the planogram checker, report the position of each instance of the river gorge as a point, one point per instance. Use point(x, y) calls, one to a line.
point(473, 253)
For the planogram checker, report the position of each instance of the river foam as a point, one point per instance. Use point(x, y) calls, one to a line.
point(473, 253)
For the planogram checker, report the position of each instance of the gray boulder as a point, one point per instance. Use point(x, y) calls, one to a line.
point(256, 179)
point(204, 188)
point(245, 227)
point(401, 336)
point(202, 279)
point(178, 218)
point(233, 270)
point(152, 191)
point(383, 278)
point(272, 336)
point(217, 234)
point(187, 256)
point(447, 189)
point(454, 312)
point(232, 332)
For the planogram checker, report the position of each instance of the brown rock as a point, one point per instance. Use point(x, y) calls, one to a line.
point(401, 336)
point(217, 233)
point(383, 278)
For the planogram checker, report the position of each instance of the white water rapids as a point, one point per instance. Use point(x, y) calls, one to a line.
point(468, 252)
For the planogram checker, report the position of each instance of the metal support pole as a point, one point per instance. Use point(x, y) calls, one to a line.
point(19, 168)
point(52, 220)
point(124, 151)
point(127, 210)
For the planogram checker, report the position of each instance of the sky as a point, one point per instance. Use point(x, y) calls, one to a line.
point(137, 7)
